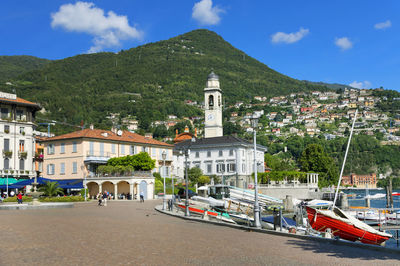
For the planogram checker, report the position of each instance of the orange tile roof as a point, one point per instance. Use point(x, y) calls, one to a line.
point(19, 101)
point(99, 134)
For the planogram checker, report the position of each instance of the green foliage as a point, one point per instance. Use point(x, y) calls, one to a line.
point(62, 199)
point(51, 189)
point(148, 82)
point(14, 199)
point(12, 66)
point(384, 182)
point(194, 174)
point(83, 190)
point(314, 159)
point(203, 180)
point(120, 165)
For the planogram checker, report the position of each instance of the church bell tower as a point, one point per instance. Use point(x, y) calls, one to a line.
point(213, 108)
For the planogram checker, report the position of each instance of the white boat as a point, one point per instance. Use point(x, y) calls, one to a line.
point(375, 196)
point(370, 217)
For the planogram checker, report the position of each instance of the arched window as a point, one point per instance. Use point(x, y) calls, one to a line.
point(211, 100)
point(219, 100)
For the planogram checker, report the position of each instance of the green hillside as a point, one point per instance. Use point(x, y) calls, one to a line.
point(150, 81)
point(13, 66)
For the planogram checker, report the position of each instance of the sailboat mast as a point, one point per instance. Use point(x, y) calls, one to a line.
point(344, 160)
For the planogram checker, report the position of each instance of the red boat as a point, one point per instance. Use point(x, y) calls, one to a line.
point(199, 211)
point(396, 194)
point(345, 226)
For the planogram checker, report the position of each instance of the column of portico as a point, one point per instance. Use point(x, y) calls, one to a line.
point(101, 188)
point(131, 190)
point(116, 191)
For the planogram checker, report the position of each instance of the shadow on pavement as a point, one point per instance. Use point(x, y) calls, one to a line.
point(342, 251)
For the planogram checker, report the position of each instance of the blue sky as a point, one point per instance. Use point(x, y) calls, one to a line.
point(349, 42)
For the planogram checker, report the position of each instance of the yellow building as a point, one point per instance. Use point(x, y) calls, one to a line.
point(77, 155)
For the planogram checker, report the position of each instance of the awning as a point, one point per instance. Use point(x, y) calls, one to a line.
point(3, 180)
point(63, 183)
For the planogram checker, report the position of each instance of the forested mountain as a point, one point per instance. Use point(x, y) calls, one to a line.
point(12, 66)
point(149, 81)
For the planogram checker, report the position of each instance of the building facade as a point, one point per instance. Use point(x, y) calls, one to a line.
point(77, 155)
point(228, 157)
point(17, 139)
point(360, 181)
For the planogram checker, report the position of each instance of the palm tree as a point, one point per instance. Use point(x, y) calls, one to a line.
point(51, 189)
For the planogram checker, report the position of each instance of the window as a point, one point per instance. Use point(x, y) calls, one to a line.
point(122, 149)
point(74, 167)
point(220, 167)
point(50, 149)
point(101, 149)
point(6, 163)
point(230, 152)
point(197, 154)
point(243, 168)
point(74, 147)
point(113, 148)
point(220, 153)
point(21, 145)
point(62, 169)
point(22, 130)
point(62, 148)
point(132, 150)
point(20, 114)
point(4, 113)
point(6, 144)
point(231, 167)
point(50, 169)
point(91, 148)
point(209, 168)
point(6, 129)
point(208, 153)
point(153, 152)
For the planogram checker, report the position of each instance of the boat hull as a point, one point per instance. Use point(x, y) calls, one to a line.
point(342, 229)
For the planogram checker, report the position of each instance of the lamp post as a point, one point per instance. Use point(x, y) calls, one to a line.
point(256, 205)
point(164, 155)
point(187, 153)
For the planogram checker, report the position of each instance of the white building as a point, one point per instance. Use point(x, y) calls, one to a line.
point(225, 156)
point(17, 138)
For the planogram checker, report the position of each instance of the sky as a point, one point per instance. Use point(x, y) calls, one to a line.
point(349, 42)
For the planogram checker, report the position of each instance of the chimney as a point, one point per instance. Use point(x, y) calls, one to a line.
point(195, 132)
point(91, 126)
point(148, 135)
point(186, 129)
point(176, 133)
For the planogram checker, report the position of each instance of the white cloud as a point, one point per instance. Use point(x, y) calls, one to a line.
point(107, 30)
point(205, 13)
point(383, 25)
point(281, 37)
point(344, 43)
point(361, 85)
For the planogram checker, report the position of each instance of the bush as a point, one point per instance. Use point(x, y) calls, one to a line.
point(62, 199)
point(14, 199)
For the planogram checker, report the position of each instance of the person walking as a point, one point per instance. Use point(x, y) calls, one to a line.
point(99, 196)
point(141, 196)
point(105, 198)
point(19, 197)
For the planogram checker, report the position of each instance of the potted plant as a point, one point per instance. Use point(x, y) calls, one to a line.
point(6, 131)
point(23, 154)
point(7, 154)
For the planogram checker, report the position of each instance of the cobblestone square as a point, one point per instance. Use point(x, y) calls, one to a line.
point(131, 233)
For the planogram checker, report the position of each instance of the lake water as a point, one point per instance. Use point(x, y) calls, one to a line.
point(359, 200)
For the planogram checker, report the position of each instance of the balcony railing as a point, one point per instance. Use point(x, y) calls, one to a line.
point(22, 154)
point(99, 154)
point(141, 174)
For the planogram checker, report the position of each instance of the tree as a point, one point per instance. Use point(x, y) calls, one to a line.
point(51, 189)
point(203, 180)
point(194, 174)
point(315, 159)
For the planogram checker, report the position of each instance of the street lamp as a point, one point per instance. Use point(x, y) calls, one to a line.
point(257, 224)
point(164, 155)
point(187, 153)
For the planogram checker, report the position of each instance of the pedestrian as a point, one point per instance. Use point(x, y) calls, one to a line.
point(99, 198)
point(105, 198)
point(141, 196)
point(19, 197)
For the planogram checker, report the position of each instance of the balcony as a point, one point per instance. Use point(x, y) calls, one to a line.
point(97, 157)
point(7, 153)
point(39, 157)
point(22, 154)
